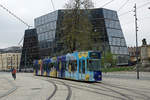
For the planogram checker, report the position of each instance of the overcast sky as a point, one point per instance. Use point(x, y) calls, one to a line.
point(11, 30)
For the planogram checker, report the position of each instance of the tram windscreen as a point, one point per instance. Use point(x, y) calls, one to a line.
point(94, 65)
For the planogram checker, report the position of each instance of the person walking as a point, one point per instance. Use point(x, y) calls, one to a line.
point(13, 73)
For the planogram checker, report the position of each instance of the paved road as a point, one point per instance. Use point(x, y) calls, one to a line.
point(29, 87)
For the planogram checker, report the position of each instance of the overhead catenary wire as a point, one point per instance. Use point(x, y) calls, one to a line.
point(123, 5)
point(53, 5)
point(15, 16)
point(107, 3)
point(18, 18)
point(141, 6)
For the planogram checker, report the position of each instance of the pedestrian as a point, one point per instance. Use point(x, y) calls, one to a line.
point(13, 71)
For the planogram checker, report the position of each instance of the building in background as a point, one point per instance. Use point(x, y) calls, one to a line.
point(104, 21)
point(29, 50)
point(132, 54)
point(13, 49)
point(10, 57)
point(145, 56)
point(46, 29)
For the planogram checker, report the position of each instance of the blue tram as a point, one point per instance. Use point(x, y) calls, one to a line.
point(83, 66)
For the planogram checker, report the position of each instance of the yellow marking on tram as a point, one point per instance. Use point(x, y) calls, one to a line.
point(87, 77)
point(83, 54)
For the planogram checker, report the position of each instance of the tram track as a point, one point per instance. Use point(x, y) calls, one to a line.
point(58, 82)
point(53, 83)
point(10, 91)
point(69, 90)
point(121, 94)
point(92, 91)
point(124, 95)
point(145, 97)
point(55, 89)
point(86, 88)
point(102, 88)
point(107, 89)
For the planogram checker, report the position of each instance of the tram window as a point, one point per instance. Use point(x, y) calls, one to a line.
point(73, 66)
point(93, 65)
point(63, 65)
point(51, 65)
point(83, 66)
point(38, 66)
point(44, 66)
point(48, 67)
point(67, 66)
point(80, 66)
point(58, 64)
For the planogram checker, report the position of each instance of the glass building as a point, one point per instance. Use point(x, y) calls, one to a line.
point(46, 30)
point(115, 36)
point(104, 21)
point(29, 50)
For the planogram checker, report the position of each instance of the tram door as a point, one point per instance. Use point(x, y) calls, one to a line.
point(82, 69)
point(63, 69)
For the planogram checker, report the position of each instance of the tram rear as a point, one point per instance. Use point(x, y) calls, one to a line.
point(94, 66)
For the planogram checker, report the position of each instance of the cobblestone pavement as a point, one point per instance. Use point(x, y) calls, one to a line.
point(29, 87)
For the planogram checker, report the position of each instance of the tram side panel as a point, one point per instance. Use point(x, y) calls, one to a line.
point(79, 69)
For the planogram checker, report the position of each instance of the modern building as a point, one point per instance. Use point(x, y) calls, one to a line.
point(104, 21)
point(46, 29)
point(30, 50)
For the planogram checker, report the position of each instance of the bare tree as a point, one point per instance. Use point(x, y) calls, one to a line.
point(77, 28)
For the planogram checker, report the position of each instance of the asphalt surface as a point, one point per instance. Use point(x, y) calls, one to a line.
point(115, 86)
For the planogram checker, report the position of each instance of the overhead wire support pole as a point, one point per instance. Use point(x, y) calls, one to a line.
point(136, 31)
